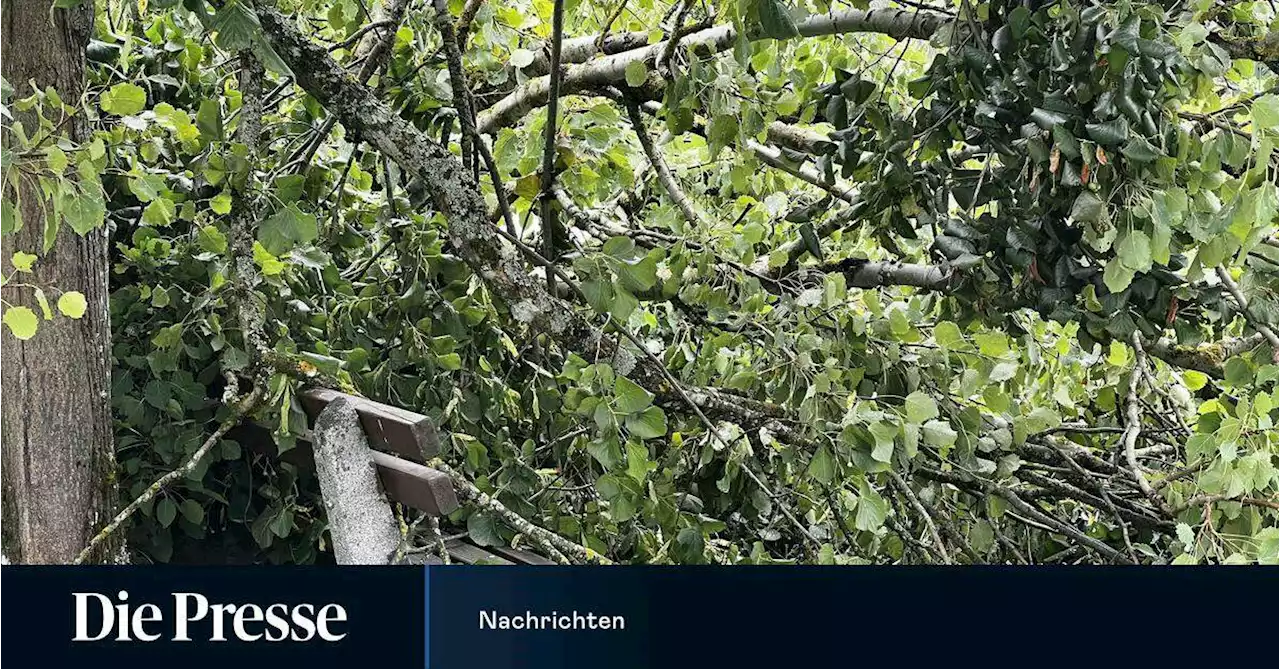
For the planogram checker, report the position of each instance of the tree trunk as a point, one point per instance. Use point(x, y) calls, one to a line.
point(56, 437)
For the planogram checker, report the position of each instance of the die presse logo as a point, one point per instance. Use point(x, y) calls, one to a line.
point(190, 615)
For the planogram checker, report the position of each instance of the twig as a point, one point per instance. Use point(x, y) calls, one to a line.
point(433, 526)
point(547, 210)
point(469, 12)
point(237, 414)
point(659, 165)
point(678, 30)
point(906, 491)
point(556, 546)
point(1225, 277)
point(457, 81)
point(355, 37)
point(1133, 422)
point(608, 24)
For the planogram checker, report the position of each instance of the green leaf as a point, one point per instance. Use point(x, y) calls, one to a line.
point(72, 304)
point(22, 322)
point(282, 523)
point(822, 467)
point(1186, 535)
point(1134, 251)
point(160, 213)
point(289, 188)
point(721, 132)
point(638, 461)
point(84, 211)
point(620, 247)
point(948, 336)
point(872, 509)
point(483, 529)
point(57, 159)
point(650, 424)
point(450, 361)
point(624, 304)
point(168, 337)
point(521, 58)
point(209, 121)
point(939, 433)
point(775, 22)
point(23, 262)
point(268, 263)
point(235, 26)
point(689, 545)
point(599, 295)
point(810, 239)
point(636, 73)
point(1268, 542)
point(10, 217)
point(629, 397)
point(166, 512)
point(212, 240)
point(1237, 372)
point(287, 228)
point(123, 100)
point(638, 277)
point(1087, 208)
point(1019, 21)
point(1066, 142)
point(1194, 380)
point(1117, 276)
point(44, 304)
point(146, 186)
point(920, 408)
point(192, 511)
point(221, 203)
point(1266, 112)
point(1111, 133)
point(1139, 150)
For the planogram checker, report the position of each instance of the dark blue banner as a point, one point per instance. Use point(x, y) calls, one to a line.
point(623, 618)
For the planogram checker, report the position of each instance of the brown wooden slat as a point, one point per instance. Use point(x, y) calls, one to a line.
point(416, 485)
point(470, 554)
point(520, 557)
point(406, 482)
point(411, 435)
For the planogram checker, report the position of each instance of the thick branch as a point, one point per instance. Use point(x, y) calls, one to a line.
point(611, 69)
point(869, 274)
point(1205, 358)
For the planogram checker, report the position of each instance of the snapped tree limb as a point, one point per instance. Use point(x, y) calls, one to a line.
point(457, 195)
point(611, 69)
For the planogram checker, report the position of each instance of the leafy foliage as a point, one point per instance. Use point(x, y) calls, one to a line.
point(1074, 172)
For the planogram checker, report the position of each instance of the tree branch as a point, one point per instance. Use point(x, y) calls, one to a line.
point(659, 165)
point(611, 69)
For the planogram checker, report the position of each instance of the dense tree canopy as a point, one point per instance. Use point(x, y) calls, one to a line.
point(761, 281)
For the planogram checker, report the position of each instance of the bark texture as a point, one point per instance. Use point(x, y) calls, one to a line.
point(57, 435)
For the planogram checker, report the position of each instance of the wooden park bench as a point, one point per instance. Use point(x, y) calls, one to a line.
point(399, 442)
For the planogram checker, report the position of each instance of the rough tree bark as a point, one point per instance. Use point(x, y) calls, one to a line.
point(57, 435)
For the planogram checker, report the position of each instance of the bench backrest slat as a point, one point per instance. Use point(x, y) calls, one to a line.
point(411, 435)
